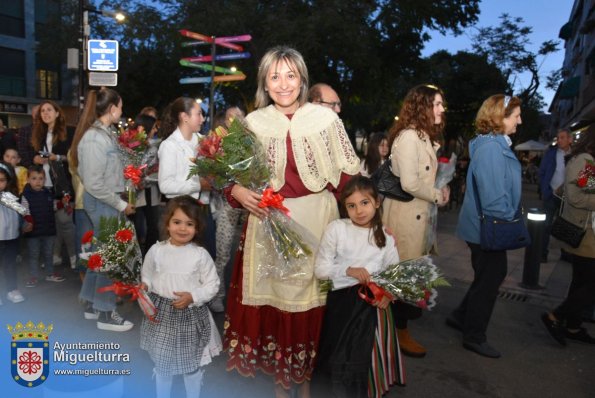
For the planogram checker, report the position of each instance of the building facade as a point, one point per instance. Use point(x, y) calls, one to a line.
point(26, 78)
point(573, 105)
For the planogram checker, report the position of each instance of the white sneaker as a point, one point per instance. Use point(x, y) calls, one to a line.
point(15, 296)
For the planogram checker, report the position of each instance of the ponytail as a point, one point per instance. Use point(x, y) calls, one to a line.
point(171, 115)
point(97, 104)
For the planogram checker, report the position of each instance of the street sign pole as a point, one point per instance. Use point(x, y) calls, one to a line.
point(212, 96)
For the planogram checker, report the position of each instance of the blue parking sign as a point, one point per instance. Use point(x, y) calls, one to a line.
point(102, 55)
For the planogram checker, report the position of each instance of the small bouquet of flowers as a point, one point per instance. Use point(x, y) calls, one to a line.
point(135, 148)
point(586, 177)
point(12, 202)
point(444, 175)
point(412, 281)
point(233, 156)
point(118, 255)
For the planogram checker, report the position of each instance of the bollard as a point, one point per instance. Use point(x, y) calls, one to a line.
point(536, 227)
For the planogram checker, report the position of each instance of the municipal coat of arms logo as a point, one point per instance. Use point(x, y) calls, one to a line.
point(29, 353)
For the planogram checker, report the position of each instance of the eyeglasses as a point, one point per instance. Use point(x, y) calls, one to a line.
point(331, 104)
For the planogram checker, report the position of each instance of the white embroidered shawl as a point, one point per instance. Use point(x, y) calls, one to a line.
point(320, 144)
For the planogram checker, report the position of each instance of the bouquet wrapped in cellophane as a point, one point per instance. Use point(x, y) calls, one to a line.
point(444, 175)
point(235, 156)
point(118, 255)
point(413, 281)
point(12, 202)
point(586, 177)
point(140, 159)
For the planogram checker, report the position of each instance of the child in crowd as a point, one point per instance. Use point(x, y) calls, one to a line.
point(9, 234)
point(181, 278)
point(358, 351)
point(40, 204)
point(376, 154)
point(12, 157)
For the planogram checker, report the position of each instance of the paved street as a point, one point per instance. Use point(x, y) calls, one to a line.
point(532, 365)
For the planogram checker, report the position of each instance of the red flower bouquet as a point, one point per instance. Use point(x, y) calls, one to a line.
point(231, 156)
point(586, 178)
point(117, 254)
point(133, 141)
point(140, 157)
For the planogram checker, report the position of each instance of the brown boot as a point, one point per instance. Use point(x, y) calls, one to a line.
point(409, 346)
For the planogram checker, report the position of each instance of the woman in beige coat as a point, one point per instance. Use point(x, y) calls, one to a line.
point(578, 208)
point(413, 141)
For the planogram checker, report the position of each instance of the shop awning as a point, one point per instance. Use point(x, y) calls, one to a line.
point(566, 31)
point(570, 88)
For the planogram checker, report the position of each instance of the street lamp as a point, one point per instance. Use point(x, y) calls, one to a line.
point(85, 31)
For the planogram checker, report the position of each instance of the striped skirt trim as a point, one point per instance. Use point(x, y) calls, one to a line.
point(387, 365)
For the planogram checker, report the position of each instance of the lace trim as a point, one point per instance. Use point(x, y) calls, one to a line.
point(321, 155)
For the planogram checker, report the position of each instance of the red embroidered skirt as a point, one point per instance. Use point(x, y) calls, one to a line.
point(279, 343)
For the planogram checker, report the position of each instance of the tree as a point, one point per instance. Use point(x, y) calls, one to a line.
point(467, 79)
point(506, 46)
point(366, 49)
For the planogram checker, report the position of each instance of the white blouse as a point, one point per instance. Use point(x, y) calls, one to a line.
point(175, 154)
point(346, 245)
point(189, 268)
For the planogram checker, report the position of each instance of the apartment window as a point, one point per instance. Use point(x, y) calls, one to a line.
point(12, 74)
point(48, 84)
point(12, 18)
point(45, 11)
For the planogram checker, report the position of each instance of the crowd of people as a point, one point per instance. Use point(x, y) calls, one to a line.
point(287, 328)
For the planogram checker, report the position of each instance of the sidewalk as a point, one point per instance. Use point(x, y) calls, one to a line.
point(455, 260)
point(532, 365)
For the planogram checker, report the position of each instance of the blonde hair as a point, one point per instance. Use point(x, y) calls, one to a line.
point(275, 55)
point(492, 112)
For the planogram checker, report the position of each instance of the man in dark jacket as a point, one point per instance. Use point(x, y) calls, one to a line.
point(551, 181)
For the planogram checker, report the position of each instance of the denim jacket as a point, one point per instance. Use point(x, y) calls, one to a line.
point(100, 166)
point(497, 174)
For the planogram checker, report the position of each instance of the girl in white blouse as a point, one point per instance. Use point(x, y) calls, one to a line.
point(182, 121)
point(181, 279)
point(358, 345)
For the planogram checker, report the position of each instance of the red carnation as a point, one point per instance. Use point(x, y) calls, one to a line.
point(422, 304)
point(87, 237)
point(443, 159)
point(582, 182)
point(124, 235)
point(95, 262)
point(427, 294)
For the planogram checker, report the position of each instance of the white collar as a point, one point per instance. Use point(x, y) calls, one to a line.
point(508, 140)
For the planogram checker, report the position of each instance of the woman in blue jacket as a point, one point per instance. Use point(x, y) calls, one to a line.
point(497, 174)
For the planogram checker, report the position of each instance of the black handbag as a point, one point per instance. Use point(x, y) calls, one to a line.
point(567, 232)
point(389, 184)
point(497, 234)
point(60, 181)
